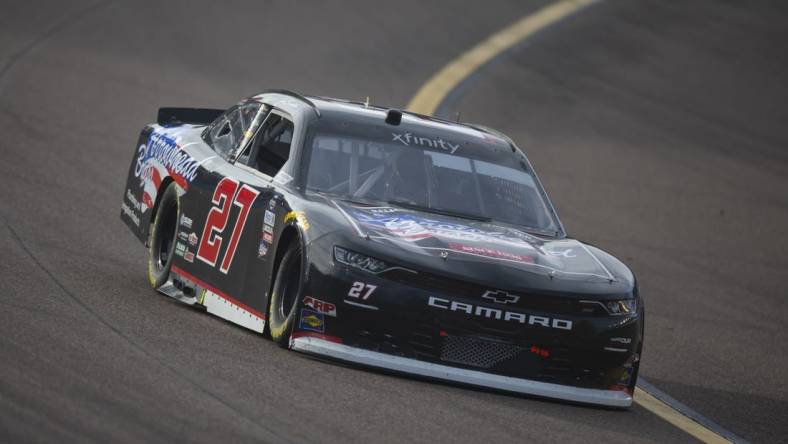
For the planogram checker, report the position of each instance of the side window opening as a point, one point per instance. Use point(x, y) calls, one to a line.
point(222, 138)
point(229, 131)
point(270, 148)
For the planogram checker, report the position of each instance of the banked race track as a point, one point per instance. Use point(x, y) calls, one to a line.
point(658, 128)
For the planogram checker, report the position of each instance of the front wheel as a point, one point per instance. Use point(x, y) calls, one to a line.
point(161, 245)
point(286, 296)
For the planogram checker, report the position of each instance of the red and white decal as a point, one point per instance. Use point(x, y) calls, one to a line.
point(326, 308)
point(491, 252)
point(244, 198)
point(215, 224)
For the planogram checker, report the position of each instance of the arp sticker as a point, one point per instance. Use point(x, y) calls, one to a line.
point(326, 308)
point(312, 320)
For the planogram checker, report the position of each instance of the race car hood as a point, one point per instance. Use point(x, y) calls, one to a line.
point(489, 253)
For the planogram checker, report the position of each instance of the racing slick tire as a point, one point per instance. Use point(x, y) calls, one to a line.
point(286, 296)
point(161, 245)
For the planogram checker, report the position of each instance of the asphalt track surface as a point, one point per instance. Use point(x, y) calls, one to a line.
point(659, 131)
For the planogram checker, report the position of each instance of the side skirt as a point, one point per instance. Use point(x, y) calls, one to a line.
point(190, 290)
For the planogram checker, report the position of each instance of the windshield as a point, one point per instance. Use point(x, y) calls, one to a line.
point(462, 175)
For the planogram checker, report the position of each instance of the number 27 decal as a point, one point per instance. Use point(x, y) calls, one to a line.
point(227, 191)
point(361, 290)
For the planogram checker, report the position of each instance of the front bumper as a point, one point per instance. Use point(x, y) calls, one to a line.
point(397, 327)
point(318, 346)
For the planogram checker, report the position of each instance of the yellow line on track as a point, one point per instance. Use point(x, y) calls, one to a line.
point(430, 96)
point(434, 92)
point(666, 412)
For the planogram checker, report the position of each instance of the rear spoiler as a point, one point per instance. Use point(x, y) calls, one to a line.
point(195, 116)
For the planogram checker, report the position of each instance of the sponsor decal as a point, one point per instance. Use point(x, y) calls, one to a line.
point(413, 227)
point(270, 217)
point(319, 306)
point(188, 256)
point(500, 297)
point(494, 313)
point(133, 202)
point(409, 139)
point(186, 221)
point(312, 320)
point(626, 376)
point(180, 249)
point(262, 250)
point(268, 237)
point(268, 229)
point(497, 242)
point(193, 239)
point(299, 216)
point(130, 213)
point(162, 149)
point(491, 252)
point(272, 203)
point(184, 236)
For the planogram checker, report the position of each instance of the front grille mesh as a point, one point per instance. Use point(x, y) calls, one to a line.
point(477, 352)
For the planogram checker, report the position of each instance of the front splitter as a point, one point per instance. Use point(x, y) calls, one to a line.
point(609, 398)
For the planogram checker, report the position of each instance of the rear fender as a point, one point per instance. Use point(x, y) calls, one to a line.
point(146, 179)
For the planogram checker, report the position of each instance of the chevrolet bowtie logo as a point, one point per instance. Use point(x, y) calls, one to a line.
point(500, 297)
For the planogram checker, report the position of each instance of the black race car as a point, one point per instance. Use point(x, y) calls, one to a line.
point(383, 238)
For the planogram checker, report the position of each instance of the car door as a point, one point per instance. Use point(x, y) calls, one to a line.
point(234, 209)
point(266, 156)
point(216, 208)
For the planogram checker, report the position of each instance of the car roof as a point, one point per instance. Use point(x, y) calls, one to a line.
point(307, 107)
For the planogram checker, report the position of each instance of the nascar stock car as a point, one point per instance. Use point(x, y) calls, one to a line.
point(382, 238)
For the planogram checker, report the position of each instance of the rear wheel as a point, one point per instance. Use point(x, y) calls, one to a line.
point(286, 296)
point(161, 245)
